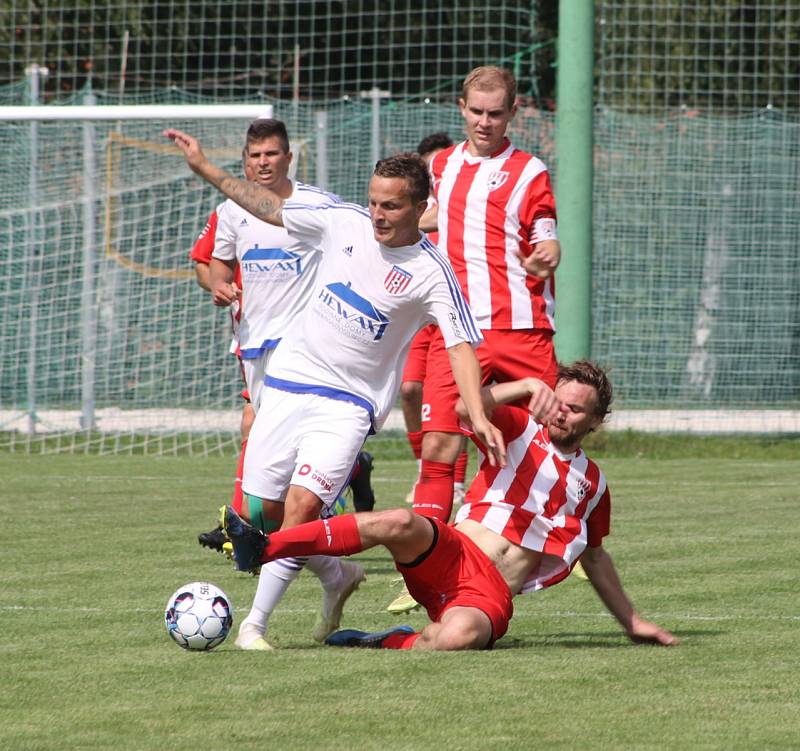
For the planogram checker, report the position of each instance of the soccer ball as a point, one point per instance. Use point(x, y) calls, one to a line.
point(199, 616)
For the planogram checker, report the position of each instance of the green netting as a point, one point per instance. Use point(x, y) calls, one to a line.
point(697, 146)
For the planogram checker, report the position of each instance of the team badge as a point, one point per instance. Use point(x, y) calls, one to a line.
point(397, 280)
point(496, 179)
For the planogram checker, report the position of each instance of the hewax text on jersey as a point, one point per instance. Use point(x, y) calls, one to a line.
point(369, 301)
point(277, 270)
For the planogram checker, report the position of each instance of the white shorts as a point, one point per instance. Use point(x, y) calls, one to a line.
point(303, 439)
point(254, 371)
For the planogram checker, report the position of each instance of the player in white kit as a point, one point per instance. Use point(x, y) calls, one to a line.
point(334, 376)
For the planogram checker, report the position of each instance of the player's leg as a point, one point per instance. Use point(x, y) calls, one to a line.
point(325, 436)
point(459, 628)
point(406, 535)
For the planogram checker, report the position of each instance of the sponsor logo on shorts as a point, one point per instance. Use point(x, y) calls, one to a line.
point(318, 477)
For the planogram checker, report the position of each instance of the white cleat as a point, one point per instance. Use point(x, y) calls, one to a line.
point(410, 494)
point(333, 601)
point(250, 638)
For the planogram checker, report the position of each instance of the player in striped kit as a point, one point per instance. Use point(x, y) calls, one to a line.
point(522, 528)
point(497, 222)
point(334, 377)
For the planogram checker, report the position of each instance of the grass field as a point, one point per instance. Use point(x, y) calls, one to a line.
point(91, 547)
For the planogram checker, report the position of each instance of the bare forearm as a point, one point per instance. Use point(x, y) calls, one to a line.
point(606, 582)
point(201, 273)
point(467, 375)
point(219, 272)
point(256, 199)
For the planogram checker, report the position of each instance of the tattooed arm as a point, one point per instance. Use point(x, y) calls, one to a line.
point(256, 199)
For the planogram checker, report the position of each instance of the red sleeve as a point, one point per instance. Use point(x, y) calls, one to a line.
point(538, 203)
point(437, 167)
point(599, 522)
point(204, 246)
point(510, 421)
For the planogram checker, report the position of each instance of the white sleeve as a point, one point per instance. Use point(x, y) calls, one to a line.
point(448, 308)
point(225, 237)
point(307, 223)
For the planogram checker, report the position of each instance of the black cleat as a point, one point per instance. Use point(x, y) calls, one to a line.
point(248, 542)
point(214, 539)
point(351, 637)
point(363, 497)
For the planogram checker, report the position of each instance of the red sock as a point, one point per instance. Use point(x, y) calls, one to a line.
point(400, 641)
point(415, 439)
point(335, 536)
point(461, 467)
point(237, 500)
point(433, 496)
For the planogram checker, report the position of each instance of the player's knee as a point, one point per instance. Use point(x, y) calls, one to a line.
point(411, 391)
point(397, 525)
point(441, 447)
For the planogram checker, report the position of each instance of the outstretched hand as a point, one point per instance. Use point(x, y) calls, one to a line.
point(644, 632)
point(190, 147)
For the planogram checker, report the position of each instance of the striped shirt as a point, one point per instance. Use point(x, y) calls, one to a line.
point(541, 500)
point(490, 210)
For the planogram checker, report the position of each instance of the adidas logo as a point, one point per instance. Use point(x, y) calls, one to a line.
point(243, 223)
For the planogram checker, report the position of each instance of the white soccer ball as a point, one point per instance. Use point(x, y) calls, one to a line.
point(198, 616)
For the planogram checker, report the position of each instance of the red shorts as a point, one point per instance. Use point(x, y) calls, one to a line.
point(418, 354)
point(505, 355)
point(457, 573)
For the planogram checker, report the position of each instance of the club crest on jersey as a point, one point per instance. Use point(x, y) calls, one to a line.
point(583, 487)
point(270, 264)
point(496, 179)
point(352, 314)
point(397, 280)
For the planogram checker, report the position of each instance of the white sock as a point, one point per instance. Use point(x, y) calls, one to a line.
point(273, 581)
point(327, 569)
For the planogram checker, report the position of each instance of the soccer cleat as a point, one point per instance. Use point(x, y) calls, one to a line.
point(333, 602)
point(214, 539)
point(403, 603)
point(363, 496)
point(410, 494)
point(251, 639)
point(248, 542)
point(351, 637)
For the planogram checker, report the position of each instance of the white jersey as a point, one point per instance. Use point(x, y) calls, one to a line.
point(277, 270)
point(367, 304)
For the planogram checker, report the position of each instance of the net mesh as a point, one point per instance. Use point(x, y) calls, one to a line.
point(696, 187)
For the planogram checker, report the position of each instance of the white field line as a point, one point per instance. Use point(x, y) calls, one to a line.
point(568, 614)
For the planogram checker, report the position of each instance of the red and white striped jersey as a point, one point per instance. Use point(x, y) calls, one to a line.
point(490, 210)
point(542, 500)
point(201, 253)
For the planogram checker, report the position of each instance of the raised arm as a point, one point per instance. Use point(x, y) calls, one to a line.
point(603, 576)
point(542, 402)
point(258, 200)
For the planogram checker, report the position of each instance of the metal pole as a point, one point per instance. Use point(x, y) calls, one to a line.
point(574, 178)
point(322, 149)
point(88, 303)
point(376, 94)
point(33, 72)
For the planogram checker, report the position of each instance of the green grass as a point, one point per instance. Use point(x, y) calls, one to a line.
point(91, 547)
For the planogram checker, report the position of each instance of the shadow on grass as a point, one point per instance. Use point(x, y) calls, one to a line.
point(594, 640)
